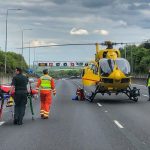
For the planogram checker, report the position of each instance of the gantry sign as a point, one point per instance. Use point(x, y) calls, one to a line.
point(59, 64)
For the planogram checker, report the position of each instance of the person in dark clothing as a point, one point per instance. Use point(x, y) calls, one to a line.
point(148, 84)
point(19, 82)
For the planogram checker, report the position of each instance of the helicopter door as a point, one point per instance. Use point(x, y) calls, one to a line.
point(123, 65)
point(90, 75)
point(106, 66)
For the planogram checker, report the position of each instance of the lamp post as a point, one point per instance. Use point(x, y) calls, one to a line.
point(6, 38)
point(29, 54)
point(125, 53)
point(22, 43)
point(131, 60)
point(22, 39)
point(34, 54)
point(34, 60)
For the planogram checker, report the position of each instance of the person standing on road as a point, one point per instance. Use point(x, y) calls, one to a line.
point(46, 86)
point(148, 84)
point(19, 82)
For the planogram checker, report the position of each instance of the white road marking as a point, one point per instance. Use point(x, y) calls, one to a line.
point(99, 104)
point(139, 85)
point(106, 111)
point(145, 95)
point(118, 124)
point(2, 122)
point(144, 143)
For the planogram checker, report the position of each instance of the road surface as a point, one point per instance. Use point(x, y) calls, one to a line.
point(109, 123)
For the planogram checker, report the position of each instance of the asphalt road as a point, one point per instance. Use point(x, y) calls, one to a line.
point(109, 123)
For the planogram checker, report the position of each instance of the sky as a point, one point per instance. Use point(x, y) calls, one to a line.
point(71, 21)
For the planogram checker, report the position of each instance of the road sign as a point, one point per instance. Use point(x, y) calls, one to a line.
point(42, 64)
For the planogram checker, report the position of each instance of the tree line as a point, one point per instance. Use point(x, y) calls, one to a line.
point(138, 57)
point(13, 60)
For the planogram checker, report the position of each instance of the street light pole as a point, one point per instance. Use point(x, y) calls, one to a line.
point(29, 54)
point(23, 39)
point(131, 60)
point(125, 53)
point(34, 54)
point(23, 43)
point(6, 39)
point(34, 59)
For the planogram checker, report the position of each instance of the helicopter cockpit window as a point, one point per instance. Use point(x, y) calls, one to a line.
point(106, 66)
point(123, 65)
point(94, 68)
point(91, 66)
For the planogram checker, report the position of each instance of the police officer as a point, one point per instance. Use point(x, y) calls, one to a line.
point(19, 82)
point(148, 84)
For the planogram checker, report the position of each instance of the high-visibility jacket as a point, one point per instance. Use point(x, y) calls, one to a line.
point(148, 84)
point(46, 84)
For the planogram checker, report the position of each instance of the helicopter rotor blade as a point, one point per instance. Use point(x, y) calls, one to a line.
point(53, 45)
point(102, 43)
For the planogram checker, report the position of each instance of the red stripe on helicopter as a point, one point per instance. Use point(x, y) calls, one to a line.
point(89, 79)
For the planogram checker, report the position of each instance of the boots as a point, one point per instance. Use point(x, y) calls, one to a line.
point(15, 121)
point(20, 122)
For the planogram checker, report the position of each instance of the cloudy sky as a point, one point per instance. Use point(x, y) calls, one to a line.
point(71, 21)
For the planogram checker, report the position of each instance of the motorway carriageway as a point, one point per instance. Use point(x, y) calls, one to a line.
point(109, 123)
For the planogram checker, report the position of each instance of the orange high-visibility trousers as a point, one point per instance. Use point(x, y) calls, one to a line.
point(46, 101)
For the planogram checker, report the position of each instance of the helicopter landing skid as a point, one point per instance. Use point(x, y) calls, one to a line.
point(93, 94)
point(132, 93)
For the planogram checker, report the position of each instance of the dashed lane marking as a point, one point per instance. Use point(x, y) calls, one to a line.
point(118, 124)
point(139, 85)
point(2, 122)
point(145, 95)
point(99, 104)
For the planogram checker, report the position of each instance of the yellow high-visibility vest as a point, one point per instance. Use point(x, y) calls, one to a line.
point(45, 82)
point(149, 82)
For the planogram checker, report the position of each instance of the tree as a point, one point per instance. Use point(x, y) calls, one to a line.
point(13, 60)
point(139, 57)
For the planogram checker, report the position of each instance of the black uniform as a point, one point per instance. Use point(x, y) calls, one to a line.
point(20, 82)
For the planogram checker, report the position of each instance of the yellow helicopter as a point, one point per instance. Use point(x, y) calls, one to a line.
point(109, 73)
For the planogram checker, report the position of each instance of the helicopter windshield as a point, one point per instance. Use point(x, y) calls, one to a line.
point(106, 66)
point(123, 65)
